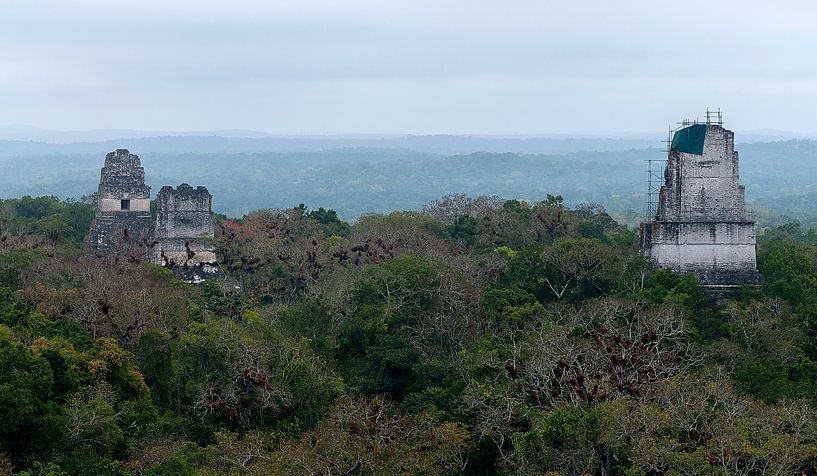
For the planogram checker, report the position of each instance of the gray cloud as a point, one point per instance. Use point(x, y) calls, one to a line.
point(406, 67)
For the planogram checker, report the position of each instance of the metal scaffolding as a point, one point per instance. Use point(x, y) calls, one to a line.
point(655, 179)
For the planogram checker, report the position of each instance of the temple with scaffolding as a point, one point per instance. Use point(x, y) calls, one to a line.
point(699, 223)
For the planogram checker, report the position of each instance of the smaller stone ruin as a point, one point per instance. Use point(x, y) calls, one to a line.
point(183, 237)
point(122, 217)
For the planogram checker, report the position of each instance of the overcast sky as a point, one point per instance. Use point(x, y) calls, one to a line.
point(499, 67)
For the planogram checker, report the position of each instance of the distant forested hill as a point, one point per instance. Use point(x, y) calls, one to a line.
point(779, 176)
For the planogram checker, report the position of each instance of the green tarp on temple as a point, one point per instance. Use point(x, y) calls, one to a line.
point(690, 139)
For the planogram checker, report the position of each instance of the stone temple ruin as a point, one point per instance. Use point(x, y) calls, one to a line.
point(700, 225)
point(123, 203)
point(180, 238)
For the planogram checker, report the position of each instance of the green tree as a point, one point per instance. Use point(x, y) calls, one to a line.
point(32, 423)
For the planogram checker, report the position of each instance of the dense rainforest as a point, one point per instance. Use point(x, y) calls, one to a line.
point(478, 336)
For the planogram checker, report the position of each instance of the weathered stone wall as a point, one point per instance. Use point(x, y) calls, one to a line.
point(185, 226)
point(122, 178)
point(701, 224)
point(704, 187)
point(714, 246)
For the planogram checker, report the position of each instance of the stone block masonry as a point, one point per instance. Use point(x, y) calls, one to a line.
point(701, 225)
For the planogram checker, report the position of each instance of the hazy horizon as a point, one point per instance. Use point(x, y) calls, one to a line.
point(73, 136)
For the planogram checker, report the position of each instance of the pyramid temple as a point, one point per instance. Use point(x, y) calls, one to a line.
point(700, 225)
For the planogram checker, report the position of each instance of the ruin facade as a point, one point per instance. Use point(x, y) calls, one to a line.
point(185, 227)
point(122, 216)
point(700, 224)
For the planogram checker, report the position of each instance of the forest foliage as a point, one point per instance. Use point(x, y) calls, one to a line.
point(478, 336)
